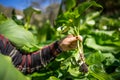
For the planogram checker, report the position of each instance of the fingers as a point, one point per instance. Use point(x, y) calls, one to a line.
point(74, 39)
point(73, 46)
point(69, 42)
point(70, 35)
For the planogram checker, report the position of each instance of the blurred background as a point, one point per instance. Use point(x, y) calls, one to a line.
point(51, 20)
point(49, 7)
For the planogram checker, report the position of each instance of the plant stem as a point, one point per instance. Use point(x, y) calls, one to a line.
point(81, 60)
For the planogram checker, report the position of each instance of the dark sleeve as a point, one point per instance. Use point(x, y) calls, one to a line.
point(28, 63)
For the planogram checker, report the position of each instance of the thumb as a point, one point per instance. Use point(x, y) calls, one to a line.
point(79, 38)
point(73, 39)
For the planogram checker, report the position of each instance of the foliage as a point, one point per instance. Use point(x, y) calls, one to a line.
point(28, 14)
point(101, 43)
point(8, 71)
point(26, 40)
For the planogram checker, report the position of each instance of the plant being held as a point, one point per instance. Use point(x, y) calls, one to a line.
point(72, 42)
point(70, 22)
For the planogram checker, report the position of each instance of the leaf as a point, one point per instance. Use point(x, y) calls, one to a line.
point(116, 75)
point(8, 71)
point(91, 43)
point(95, 58)
point(109, 58)
point(74, 71)
point(17, 19)
point(104, 36)
point(45, 33)
point(98, 72)
point(2, 17)
point(90, 22)
point(69, 4)
point(113, 23)
point(92, 15)
point(20, 37)
point(29, 11)
point(53, 78)
point(107, 37)
point(85, 5)
point(103, 33)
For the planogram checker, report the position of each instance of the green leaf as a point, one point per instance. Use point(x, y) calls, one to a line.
point(90, 22)
point(92, 15)
point(98, 72)
point(53, 78)
point(91, 43)
point(28, 12)
point(116, 75)
point(19, 21)
point(107, 37)
point(103, 33)
point(85, 5)
point(112, 23)
point(8, 71)
point(2, 17)
point(74, 71)
point(70, 4)
point(109, 58)
point(45, 32)
point(20, 37)
point(95, 58)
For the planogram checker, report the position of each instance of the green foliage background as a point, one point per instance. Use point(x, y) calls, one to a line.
point(101, 43)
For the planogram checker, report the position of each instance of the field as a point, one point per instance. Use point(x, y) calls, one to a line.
point(100, 47)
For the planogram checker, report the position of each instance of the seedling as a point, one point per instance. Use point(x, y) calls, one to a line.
point(81, 60)
point(70, 22)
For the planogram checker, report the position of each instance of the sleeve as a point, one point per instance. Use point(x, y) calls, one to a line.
point(28, 63)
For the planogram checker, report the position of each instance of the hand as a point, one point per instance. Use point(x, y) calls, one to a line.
point(69, 42)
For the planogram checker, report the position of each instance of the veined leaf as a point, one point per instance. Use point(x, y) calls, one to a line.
point(95, 58)
point(20, 37)
point(109, 58)
point(85, 5)
point(106, 37)
point(101, 32)
point(91, 43)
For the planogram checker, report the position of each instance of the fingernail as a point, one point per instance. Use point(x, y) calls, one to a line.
point(79, 38)
point(76, 37)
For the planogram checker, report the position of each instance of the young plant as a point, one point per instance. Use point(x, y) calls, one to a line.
point(81, 60)
point(71, 22)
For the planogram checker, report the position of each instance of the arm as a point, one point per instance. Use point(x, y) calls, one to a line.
point(28, 63)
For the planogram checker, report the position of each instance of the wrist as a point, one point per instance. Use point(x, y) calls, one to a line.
point(57, 47)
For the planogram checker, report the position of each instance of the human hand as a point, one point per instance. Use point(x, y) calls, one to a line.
point(69, 42)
